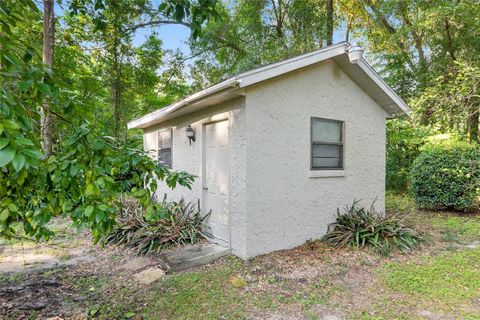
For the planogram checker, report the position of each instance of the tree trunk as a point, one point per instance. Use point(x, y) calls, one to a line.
point(473, 122)
point(48, 49)
point(116, 88)
point(450, 49)
point(329, 5)
point(417, 40)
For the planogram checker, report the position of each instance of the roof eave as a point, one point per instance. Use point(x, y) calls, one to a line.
point(153, 117)
point(402, 106)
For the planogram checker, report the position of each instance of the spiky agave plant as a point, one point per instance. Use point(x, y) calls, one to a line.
point(359, 227)
point(180, 223)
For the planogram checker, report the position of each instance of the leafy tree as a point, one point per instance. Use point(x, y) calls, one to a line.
point(107, 29)
point(454, 97)
point(404, 143)
point(253, 33)
point(425, 49)
point(85, 171)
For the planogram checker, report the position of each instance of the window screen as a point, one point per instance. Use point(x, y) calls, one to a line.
point(326, 144)
point(165, 147)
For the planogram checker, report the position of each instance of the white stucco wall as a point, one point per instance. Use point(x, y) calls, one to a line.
point(286, 205)
point(186, 157)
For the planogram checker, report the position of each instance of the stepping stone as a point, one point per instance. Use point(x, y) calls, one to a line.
point(434, 316)
point(137, 263)
point(150, 275)
point(192, 256)
point(330, 317)
point(324, 313)
point(471, 245)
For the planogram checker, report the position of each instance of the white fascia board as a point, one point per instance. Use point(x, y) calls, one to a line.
point(273, 70)
point(385, 87)
point(158, 114)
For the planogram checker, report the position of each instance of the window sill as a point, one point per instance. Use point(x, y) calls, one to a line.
point(327, 173)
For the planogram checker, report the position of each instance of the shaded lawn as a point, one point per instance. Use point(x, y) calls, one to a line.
point(438, 278)
point(441, 278)
point(450, 280)
point(211, 294)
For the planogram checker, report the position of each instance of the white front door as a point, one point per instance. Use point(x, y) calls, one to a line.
point(216, 181)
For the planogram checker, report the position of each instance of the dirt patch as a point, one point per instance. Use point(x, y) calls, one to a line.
point(40, 296)
point(61, 278)
point(30, 261)
point(73, 291)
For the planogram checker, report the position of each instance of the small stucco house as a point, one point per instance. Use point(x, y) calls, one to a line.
point(278, 149)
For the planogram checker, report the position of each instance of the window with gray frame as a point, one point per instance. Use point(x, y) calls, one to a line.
point(165, 147)
point(326, 144)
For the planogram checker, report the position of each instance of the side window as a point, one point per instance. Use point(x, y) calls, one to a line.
point(326, 144)
point(165, 147)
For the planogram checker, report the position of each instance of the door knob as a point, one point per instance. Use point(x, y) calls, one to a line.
point(205, 188)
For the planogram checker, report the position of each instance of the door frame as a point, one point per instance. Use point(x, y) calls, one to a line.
point(204, 171)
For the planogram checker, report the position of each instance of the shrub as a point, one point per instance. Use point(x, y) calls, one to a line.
point(404, 141)
point(179, 223)
point(447, 176)
point(359, 227)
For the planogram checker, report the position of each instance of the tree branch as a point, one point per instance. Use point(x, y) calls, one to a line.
point(156, 23)
point(378, 16)
point(416, 39)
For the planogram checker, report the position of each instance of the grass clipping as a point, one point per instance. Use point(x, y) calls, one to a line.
point(358, 227)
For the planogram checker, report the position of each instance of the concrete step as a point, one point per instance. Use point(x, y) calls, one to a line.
point(191, 256)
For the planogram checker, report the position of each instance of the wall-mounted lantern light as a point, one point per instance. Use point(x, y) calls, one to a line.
point(355, 52)
point(190, 134)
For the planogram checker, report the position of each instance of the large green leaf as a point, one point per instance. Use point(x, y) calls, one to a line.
point(88, 211)
point(4, 142)
point(32, 153)
point(6, 155)
point(10, 124)
point(18, 161)
point(23, 141)
point(4, 215)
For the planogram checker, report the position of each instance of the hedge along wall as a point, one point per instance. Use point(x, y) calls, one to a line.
point(447, 176)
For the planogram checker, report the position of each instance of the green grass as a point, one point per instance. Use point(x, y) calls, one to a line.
point(13, 277)
point(87, 283)
point(208, 293)
point(448, 280)
point(399, 203)
point(455, 228)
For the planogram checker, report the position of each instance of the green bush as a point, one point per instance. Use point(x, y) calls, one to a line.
point(447, 176)
point(359, 227)
point(404, 141)
point(179, 223)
